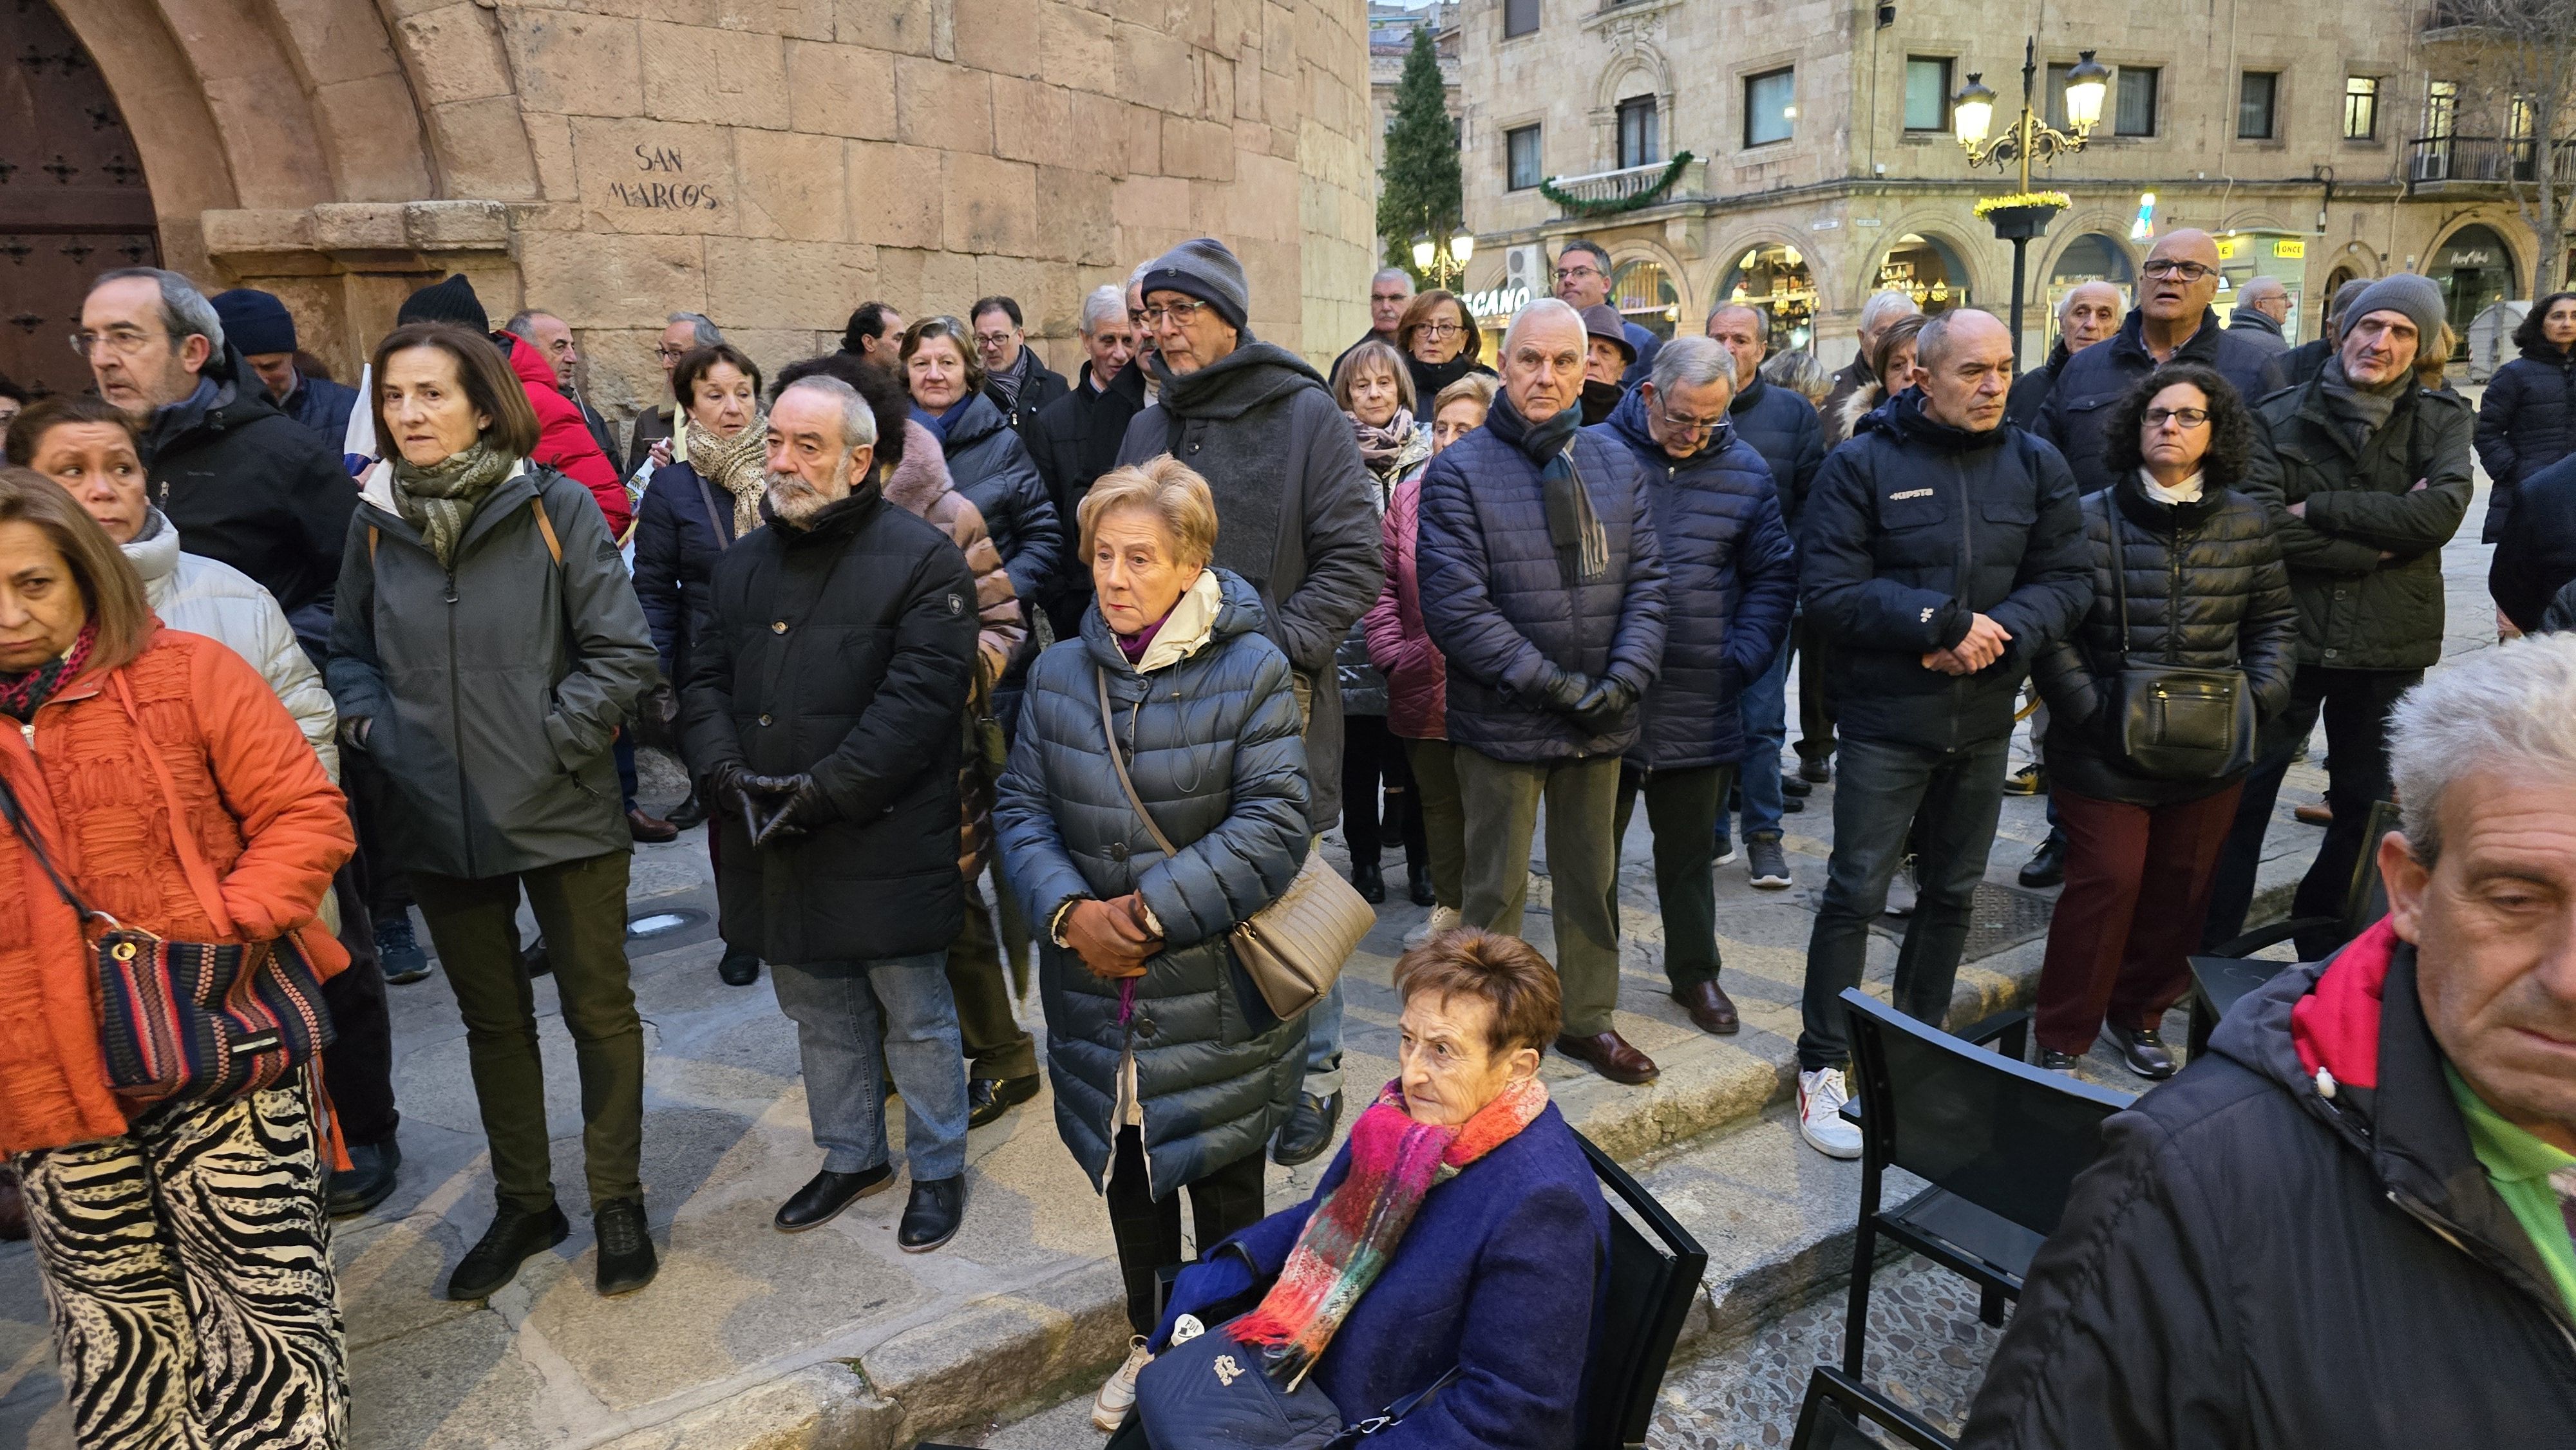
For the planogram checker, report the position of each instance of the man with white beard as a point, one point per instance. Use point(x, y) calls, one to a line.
point(820, 718)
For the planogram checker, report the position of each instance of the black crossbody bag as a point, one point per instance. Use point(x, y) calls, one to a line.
point(2168, 721)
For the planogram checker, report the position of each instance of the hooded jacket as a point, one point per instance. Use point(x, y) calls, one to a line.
point(248, 486)
point(205, 597)
point(2526, 422)
point(845, 650)
point(1913, 528)
point(1497, 603)
point(2093, 381)
point(1211, 742)
point(2290, 1245)
point(564, 443)
point(1292, 510)
point(491, 689)
point(2358, 611)
point(1731, 581)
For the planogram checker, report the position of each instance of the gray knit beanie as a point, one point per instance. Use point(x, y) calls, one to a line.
point(1204, 269)
point(2410, 295)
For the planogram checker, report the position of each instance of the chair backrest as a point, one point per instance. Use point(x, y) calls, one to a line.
point(2365, 898)
point(1655, 1271)
point(1837, 1406)
point(2000, 1134)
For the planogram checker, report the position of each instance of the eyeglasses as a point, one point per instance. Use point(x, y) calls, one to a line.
point(2188, 417)
point(1568, 274)
point(1178, 314)
point(1440, 329)
point(991, 339)
point(2187, 271)
point(122, 341)
point(1693, 426)
point(668, 353)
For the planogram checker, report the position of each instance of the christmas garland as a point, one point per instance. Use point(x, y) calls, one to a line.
point(1576, 206)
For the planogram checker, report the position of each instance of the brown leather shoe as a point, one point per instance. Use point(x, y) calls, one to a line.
point(1710, 1009)
point(1609, 1054)
point(2319, 814)
point(645, 826)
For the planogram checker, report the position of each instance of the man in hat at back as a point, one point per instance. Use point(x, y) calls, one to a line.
point(263, 331)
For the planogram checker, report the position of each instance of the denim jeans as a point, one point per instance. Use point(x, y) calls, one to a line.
point(1951, 798)
point(836, 1007)
point(1763, 709)
point(1324, 1044)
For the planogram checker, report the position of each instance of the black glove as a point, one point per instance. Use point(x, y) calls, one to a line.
point(798, 803)
point(1602, 705)
point(725, 784)
point(1562, 690)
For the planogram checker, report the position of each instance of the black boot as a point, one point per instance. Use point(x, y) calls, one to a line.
point(626, 1261)
point(2047, 865)
point(938, 1206)
point(738, 969)
point(495, 1258)
point(1308, 1131)
point(1417, 883)
point(369, 1180)
point(1371, 884)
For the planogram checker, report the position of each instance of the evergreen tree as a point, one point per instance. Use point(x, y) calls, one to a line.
point(1419, 187)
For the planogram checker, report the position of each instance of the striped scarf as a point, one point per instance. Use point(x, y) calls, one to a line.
point(1355, 1230)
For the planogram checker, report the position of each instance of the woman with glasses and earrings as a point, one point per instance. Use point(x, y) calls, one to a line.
point(2190, 599)
point(1440, 342)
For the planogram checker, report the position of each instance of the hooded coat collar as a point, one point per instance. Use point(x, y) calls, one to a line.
point(1629, 422)
point(1238, 611)
point(2201, 347)
point(1902, 418)
point(154, 551)
point(2165, 519)
point(1254, 374)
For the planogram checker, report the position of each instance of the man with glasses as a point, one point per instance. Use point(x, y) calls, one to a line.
point(1389, 291)
point(1295, 517)
point(1731, 581)
point(1014, 379)
point(683, 333)
point(1075, 439)
point(242, 482)
point(1583, 281)
point(2262, 308)
point(2173, 323)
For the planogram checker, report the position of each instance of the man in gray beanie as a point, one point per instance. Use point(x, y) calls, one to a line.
point(2366, 475)
point(1296, 517)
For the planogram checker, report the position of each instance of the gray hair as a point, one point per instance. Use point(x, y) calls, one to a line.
point(702, 332)
point(1692, 362)
point(523, 323)
point(1543, 309)
point(1105, 304)
point(1395, 273)
point(2508, 711)
point(1136, 278)
point(2117, 301)
point(858, 420)
point(1885, 307)
point(1800, 371)
point(185, 312)
point(2258, 288)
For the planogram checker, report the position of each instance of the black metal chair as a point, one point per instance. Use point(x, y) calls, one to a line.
point(1655, 1272)
point(1835, 1407)
point(2225, 973)
point(1999, 1141)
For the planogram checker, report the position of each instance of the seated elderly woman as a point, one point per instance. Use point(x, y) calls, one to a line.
point(1460, 1232)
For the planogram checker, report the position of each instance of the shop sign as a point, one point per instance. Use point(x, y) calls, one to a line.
point(1498, 302)
point(2290, 249)
point(2227, 249)
point(2473, 258)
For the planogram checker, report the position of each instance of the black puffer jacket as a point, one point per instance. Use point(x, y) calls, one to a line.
point(2255, 1265)
point(844, 650)
point(2358, 611)
point(1785, 430)
point(2090, 384)
point(2029, 395)
point(991, 466)
point(2537, 556)
point(2206, 591)
point(2526, 422)
point(1211, 742)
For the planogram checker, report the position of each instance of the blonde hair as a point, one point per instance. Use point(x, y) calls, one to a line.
point(1476, 388)
point(1168, 489)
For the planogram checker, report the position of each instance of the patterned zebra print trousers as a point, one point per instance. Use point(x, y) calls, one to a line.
point(187, 1267)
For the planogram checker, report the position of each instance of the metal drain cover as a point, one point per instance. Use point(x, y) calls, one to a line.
point(2000, 918)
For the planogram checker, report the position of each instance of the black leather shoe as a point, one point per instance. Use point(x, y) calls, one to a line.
point(1795, 786)
point(626, 1261)
point(2142, 1050)
point(2052, 1060)
point(2047, 865)
point(938, 1206)
point(738, 969)
point(534, 961)
point(987, 1098)
point(827, 1193)
point(1417, 885)
point(1370, 881)
point(495, 1258)
point(369, 1179)
point(1308, 1131)
point(688, 814)
point(1819, 771)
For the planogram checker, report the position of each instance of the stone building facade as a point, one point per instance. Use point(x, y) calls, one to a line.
point(1823, 165)
point(770, 163)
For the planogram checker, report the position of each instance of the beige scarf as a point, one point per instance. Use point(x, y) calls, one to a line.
point(738, 465)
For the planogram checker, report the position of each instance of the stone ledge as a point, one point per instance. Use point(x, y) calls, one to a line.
point(380, 233)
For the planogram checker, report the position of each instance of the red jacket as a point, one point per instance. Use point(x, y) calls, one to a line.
point(564, 441)
point(1417, 678)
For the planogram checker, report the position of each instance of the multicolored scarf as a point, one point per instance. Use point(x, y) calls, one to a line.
point(1355, 1230)
point(22, 695)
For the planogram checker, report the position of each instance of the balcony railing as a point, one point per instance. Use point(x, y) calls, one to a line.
point(1628, 181)
point(2491, 160)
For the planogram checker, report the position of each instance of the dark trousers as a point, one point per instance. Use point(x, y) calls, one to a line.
point(1223, 1202)
point(581, 908)
point(1371, 753)
point(1501, 801)
point(2137, 887)
point(382, 888)
point(1443, 814)
point(358, 1067)
point(995, 1046)
point(1815, 692)
point(1683, 808)
point(2355, 705)
point(1946, 803)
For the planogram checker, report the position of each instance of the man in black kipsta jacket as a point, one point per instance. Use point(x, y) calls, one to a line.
point(2347, 1223)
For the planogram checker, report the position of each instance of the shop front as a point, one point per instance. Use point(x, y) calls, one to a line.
point(1773, 280)
point(2475, 271)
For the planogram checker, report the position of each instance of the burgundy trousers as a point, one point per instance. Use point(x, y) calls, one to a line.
point(2137, 885)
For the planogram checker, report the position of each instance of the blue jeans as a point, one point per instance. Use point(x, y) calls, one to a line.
point(1324, 1044)
point(1763, 709)
point(1950, 799)
point(840, 1010)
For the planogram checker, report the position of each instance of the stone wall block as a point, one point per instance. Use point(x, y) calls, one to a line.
point(368, 157)
point(901, 27)
point(1033, 121)
point(943, 105)
point(729, 77)
point(840, 90)
point(791, 185)
point(990, 205)
point(760, 282)
point(575, 65)
point(1202, 149)
point(327, 49)
point(360, 226)
point(929, 281)
point(657, 176)
point(610, 280)
point(251, 232)
point(1144, 141)
point(1216, 87)
point(550, 144)
point(894, 194)
point(447, 225)
point(482, 148)
point(1144, 204)
point(1046, 291)
point(455, 55)
point(1099, 126)
point(1263, 202)
point(1074, 220)
point(995, 35)
point(1077, 49)
point(1156, 68)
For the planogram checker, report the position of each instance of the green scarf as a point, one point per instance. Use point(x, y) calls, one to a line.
point(440, 499)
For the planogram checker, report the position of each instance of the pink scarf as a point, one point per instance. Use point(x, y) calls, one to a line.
point(1380, 446)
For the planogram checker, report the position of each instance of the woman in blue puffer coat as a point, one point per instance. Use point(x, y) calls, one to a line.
point(1168, 1067)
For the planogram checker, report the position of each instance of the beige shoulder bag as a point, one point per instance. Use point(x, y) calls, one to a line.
point(1295, 947)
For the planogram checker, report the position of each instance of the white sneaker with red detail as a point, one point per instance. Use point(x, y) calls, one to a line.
point(1820, 1119)
point(1109, 1408)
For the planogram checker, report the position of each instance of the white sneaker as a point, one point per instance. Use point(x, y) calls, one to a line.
point(1442, 918)
point(1109, 1408)
point(1820, 1120)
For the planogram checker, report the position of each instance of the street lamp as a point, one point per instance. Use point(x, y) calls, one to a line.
point(1443, 261)
point(1972, 113)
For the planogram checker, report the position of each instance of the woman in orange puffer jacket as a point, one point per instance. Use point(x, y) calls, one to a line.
point(184, 1251)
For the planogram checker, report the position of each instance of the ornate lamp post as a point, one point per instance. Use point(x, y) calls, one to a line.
point(1443, 260)
point(2022, 216)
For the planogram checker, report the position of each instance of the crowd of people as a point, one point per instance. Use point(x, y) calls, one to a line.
point(972, 665)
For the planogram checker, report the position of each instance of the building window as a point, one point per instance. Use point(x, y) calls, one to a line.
point(1520, 154)
point(1927, 93)
point(2135, 111)
point(1640, 142)
point(2361, 108)
point(2441, 109)
point(2257, 94)
point(1770, 106)
point(1520, 17)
